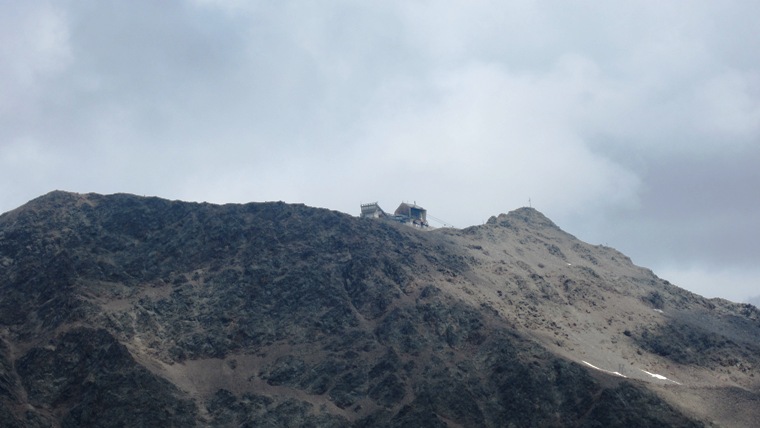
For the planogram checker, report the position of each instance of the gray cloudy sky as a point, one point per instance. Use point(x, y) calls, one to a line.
point(633, 124)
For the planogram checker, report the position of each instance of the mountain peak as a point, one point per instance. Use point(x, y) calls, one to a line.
point(56, 197)
point(522, 216)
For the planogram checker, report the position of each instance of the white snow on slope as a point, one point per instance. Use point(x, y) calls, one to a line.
point(661, 377)
point(602, 370)
point(654, 375)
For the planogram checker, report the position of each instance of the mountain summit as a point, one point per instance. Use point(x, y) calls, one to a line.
point(529, 217)
point(121, 310)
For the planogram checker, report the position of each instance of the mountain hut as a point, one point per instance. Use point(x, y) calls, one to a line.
point(411, 213)
point(372, 210)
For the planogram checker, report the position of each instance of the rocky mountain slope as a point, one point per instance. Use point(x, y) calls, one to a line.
point(127, 311)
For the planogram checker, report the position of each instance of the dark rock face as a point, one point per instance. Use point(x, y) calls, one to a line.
point(253, 410)
point(615, 408)
point(127, 311)
point(92, 380)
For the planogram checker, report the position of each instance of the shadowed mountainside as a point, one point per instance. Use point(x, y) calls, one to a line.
point(120, 310)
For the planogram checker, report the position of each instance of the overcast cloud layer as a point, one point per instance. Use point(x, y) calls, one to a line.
point(630, 124)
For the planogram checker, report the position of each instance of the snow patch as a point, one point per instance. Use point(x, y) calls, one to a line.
point(654, 375)
point(602, 370)
point(659, 376)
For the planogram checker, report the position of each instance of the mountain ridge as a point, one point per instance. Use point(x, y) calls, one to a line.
point(273, 313)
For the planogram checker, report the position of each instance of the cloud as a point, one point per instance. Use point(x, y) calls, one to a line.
point(731, 105)
point(630, 124)
point(36, 45)
point(479, 132)
point(35, 49)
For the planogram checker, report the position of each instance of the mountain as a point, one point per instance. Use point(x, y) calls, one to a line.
point(121, 310)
